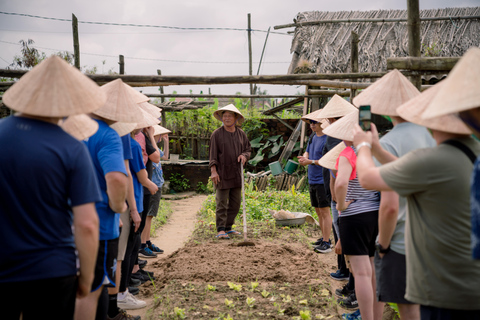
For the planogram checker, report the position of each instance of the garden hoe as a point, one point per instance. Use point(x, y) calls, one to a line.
point(245, 242)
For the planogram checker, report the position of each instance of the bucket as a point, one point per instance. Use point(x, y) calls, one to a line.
point(275, 167)
point(290, 167)
point(174, 157)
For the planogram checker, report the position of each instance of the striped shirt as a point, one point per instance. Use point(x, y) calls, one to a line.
point(363, 200)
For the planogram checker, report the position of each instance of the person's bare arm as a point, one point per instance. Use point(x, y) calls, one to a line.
point(142, 176)
point(86, 233)
point(132, 204)
point(387, 217)
point(166, 146)
point(214, 174)
point(304, 160)
point(117, 187)
point(341, 183)
point(332, 187)
point(154, 157)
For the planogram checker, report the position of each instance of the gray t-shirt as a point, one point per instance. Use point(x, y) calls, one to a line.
point(436, 183)
point(403, 138)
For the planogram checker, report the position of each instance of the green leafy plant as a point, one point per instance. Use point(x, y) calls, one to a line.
point(265, 293)
point(254, 285)
point(211, 288)
point(179, 313)
point(305, 315)
point(229, 303)
point(233, 286)
point(251, 302)
point(178, 182)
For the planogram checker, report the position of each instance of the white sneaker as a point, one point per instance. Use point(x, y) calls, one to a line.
point(131, 303)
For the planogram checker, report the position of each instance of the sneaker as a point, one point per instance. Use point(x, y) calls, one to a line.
point(131, 303)
point(155, 249)
point(352, 316)
point(137, 275)
point(142, 263)
point(350, 302)
point(134, 282)
point(344, 292)
point(339, 276)
point(123, 315)
point(318, 242)
point(133, 290)
point(325, 247)
point(146, 253)
point(149, 275)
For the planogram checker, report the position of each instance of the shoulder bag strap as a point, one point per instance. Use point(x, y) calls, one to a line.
point(457, 144)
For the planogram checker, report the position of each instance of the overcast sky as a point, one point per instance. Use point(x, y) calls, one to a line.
point(175, 52)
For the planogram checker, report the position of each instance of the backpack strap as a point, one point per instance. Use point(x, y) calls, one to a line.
point(457, 144)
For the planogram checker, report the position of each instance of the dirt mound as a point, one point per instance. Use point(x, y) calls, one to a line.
point(222, 261)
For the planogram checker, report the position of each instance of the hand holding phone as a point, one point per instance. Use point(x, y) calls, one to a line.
point(365, 117)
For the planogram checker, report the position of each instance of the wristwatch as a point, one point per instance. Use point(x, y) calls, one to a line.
point(380, 249)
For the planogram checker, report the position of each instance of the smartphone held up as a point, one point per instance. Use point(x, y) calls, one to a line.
point(365, 117)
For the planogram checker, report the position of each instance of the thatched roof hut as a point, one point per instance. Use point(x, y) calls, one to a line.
point(327, 46)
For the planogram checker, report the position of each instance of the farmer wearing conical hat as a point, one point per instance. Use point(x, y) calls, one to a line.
point(48, 188)
point(229, 146)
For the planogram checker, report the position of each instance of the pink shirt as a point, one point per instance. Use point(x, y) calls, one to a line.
point(141, 140)
point(352, 158)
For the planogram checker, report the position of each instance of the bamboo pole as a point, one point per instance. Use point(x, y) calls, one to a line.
point(121, 62)
point(422, 64)
point(305, 106)
point(413, 26)
point(250, 55)
point(76, 44)
point(353, 60)
point(382, 20)
point(329, 93)
point(162, 100)
point(168, 95)
point(261, 58)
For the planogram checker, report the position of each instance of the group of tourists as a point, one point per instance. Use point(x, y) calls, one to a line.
point(405, 207)
point(80, 184)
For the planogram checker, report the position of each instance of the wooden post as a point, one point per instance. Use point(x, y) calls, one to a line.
point(162, 99)
point(305, 106)
point(413, 25)
point(76, 45)
point(121, 62)
point(250, 55)
point(354, 61)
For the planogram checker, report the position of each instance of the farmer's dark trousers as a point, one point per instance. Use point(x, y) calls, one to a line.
point(228, 204)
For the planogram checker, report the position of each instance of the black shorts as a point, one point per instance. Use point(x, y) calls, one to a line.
point(391, 277)
point(434, 313)
point(106, 264)
point(358, 233)
point(318, 196)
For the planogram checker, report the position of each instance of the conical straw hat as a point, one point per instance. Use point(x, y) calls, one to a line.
point(120, 105)
point(123, 128)
point(324, 124)
point(147, 121)
point(387, 94)
point(329, 160)
point(218, 114)
point(412, 111)
point(138, 97)
point(462, 87)
point(80, 126)
point(343, 128)
point(337, 107)
point(312, 116)
point(150, 108)
point(160, 130)
point(54, 88)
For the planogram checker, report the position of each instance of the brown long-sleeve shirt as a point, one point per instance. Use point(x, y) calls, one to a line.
point(225, 148)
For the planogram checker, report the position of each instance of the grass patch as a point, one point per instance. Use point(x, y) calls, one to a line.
point(164, 212)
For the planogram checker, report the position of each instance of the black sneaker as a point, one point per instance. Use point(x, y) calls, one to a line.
point(339, 276)
point(142, 263)
point(133, 290)
point(147, 274)
point(137, 275)
point(318, 242)
point(350, 302)
point(155, 249)
point(134, 282)
point(325, 247)
point(146, 253)
point(344, 292)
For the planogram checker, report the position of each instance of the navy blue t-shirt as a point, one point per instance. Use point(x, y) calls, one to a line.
point(106, 150)
point(136, 164)
point(314, 150)
point(43, 170)
point(127, 147)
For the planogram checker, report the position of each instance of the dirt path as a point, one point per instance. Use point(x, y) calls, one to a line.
point(173, 235)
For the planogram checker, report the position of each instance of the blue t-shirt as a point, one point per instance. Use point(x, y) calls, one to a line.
point(127, 147)
point(157, 175)
point(314, 149)
point(475, 209)
point(106, 150)
point(43, 170)
point(136, 164)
